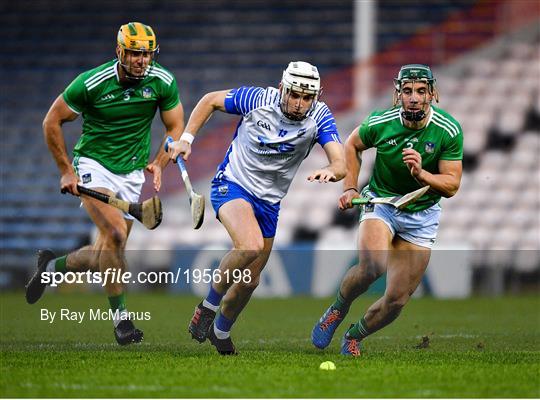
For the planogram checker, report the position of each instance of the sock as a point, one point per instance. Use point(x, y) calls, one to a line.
point(341, 304)
point(118, 303)
point(213, 299)
point(57, 264)
point(359, 330)
point(222, 327)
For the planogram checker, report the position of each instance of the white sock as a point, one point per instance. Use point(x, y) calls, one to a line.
point(221, 334)
point(210, 305)
point(120, 316)
point(51, 266)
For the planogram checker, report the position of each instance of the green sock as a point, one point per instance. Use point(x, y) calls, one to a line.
point(359, 330)
point(60, 264)
point(341, 304)
point(118, 302)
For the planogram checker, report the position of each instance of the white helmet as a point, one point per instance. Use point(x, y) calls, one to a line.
point(300, 77)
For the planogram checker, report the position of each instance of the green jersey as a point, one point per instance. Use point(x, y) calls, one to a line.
point(117, 117)
point(440, 139)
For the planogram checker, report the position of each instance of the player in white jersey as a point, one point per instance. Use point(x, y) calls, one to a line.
point(277, 130)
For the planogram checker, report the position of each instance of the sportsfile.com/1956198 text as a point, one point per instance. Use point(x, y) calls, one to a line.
point(192, 275)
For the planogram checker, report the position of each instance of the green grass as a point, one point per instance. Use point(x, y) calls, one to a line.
point(480, 347)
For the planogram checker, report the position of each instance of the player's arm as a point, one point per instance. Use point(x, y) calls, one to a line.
point(201, 113)
point(335, 170)
point(205, 108)
point(54, 137)
point(354, 146)
point(173, 120)
point(446, 182)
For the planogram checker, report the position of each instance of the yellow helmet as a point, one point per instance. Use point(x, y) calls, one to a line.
point(137, 37)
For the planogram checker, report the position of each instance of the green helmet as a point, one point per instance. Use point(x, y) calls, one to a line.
point(414, 72)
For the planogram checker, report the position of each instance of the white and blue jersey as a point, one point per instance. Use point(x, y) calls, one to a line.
point(268, 148)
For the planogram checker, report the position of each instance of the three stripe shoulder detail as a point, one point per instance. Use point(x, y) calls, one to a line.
point(385, 117)
point(100, 77)
point(448, 125)
point(160, 73)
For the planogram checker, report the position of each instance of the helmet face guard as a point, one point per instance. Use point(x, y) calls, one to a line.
point(302, 78)
point(414, 73)
point(136, 40)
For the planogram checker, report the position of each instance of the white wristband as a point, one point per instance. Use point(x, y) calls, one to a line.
point(188, 137)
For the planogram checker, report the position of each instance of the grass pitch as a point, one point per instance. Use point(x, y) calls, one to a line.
point(480, 347)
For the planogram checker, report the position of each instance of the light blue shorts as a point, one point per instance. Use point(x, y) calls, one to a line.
point(419, 228)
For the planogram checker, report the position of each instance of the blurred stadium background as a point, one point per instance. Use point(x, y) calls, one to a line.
point(485, 55)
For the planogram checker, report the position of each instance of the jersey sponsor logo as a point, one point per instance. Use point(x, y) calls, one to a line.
point(392, 142)
point(282, 133)
point(86, 178)
point(266, 147)
point(264, 125)
point(429, 147)
point(107, 97)
point(147, 92)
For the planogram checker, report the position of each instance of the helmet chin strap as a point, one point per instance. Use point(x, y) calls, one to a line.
point(413, 116)
point(125, 67)
point(291, 116)
point(129, 75)
point(284, 105)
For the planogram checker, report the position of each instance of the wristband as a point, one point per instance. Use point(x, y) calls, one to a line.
point(188, 137)
point(351, 188)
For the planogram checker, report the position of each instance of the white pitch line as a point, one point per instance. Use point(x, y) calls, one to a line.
point(128, 388)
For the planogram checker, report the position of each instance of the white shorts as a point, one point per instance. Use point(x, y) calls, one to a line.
point(419, 228)
point(94, 175)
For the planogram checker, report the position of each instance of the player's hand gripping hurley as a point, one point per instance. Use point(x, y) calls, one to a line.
point(399, 202)
point(196, 201)
point(149, 212)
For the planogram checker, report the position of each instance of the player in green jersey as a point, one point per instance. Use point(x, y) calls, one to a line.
point(417, 144)
point(118, 101)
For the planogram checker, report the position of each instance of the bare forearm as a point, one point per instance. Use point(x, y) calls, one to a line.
point(353, 160)
point(443, 184)
point(162, 158)
point(203, 111)
point(54, 138)
point(173, 121)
